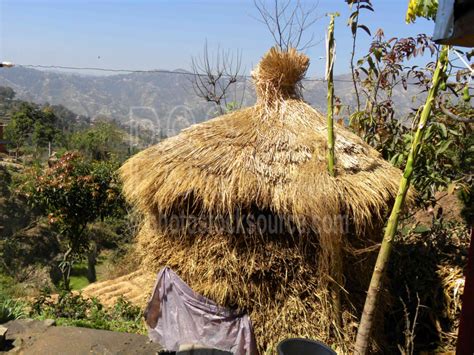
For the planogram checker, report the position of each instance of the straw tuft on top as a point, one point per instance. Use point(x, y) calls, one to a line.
point(279, 75)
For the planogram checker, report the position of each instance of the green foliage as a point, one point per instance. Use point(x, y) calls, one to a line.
point(353, 21)
point(421, 8)
point(33, 127)
point(7, 93)
point(75, 310)
point(68, 121)
point(466, 193)
point(45, 129)
point(442, 160)
point(30, 123)
point(11, 306)
point(9, 289)
point(67, 305)
point(103, 141)
point(78, 282)
point(126, 310)
point(383, 68)
point(20, 125)
point(231, 106)
point(74, 192)
point(11, 309)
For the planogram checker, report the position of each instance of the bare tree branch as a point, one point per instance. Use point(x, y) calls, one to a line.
point(214, 78)
point(453, 116)
point(288, 22)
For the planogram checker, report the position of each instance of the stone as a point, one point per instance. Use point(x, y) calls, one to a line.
point(17, 343)
point(49, 322)
point(3, 334)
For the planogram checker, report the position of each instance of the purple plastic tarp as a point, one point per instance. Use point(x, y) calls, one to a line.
point(176, 315)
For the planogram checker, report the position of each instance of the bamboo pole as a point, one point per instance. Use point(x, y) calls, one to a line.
point(336, 255)
point(330, 95)
point(366, 322)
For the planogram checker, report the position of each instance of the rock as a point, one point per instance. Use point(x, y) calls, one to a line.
point(49, 322)
point(3, 334)
point(17, 343)
point(39, 337)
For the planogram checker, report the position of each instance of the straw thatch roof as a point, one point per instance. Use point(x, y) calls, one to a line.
point(266, 160)
point(272, 158)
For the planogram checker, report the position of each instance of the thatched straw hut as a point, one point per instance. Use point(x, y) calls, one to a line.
point(243, 209)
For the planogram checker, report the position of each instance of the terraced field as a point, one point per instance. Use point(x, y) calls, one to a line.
point(135, 287)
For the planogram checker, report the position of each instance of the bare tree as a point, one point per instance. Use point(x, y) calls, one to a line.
point(288, 22)
point(215, 77)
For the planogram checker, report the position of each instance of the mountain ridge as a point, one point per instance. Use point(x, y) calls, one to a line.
point(164, 100)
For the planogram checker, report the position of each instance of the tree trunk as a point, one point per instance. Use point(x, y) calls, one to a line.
point(66, 267)
point(91, 263)
point(376, 283)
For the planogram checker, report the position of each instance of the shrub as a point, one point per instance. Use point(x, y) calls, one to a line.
point(74, 310)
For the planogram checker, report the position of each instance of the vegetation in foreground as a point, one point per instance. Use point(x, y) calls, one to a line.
point(72, 309)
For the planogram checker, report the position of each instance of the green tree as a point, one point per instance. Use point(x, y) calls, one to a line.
point(32, 125)
point(103, 141)
point(7, 93)
point(73, 192)
point(20, 126)
point(45, 129)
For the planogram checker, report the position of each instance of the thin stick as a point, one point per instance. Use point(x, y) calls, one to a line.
point(331, 44)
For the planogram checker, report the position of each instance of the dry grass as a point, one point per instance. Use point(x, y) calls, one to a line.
point(135, 287)
point(267, 160)
point(278, 76)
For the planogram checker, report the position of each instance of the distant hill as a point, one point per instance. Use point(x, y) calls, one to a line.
point(163, 101)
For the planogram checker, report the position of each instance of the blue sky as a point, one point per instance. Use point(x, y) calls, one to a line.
point(139, 34)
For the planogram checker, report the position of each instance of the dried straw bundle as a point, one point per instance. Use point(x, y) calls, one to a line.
point(210, 193)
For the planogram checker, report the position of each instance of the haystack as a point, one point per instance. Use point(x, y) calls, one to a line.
point(243, 209)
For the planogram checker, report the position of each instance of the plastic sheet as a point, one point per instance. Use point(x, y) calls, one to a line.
point(176, 315)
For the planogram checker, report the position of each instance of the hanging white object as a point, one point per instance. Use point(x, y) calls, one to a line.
point(177, 317)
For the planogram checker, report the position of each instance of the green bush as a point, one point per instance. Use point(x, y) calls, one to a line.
point(125, 310)
point(73, 309)
point(67, 305)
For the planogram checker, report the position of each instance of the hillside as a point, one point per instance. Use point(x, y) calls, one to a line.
point(164, 100)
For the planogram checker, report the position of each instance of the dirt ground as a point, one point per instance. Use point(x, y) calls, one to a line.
point(447, 204)
point(27, 336)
